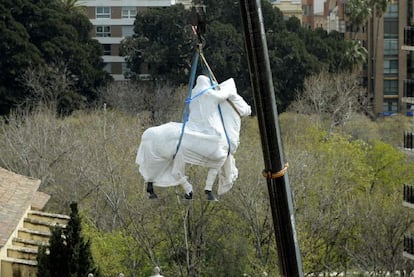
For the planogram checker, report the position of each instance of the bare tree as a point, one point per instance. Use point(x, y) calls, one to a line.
point(47, 84)
point(379, 234)
point(161, 101)
point(34, 143)
point(329, 98)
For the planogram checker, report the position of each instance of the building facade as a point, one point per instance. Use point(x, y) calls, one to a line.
point(390, 67)
point(389, 64)
point(308, 13)
point(333, 11)
point(24, 225)
point(289, 8)
point(113, 20)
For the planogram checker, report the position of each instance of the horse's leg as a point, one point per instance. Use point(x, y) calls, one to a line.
point(150, 190)
point(188, 190)
point(211, 178)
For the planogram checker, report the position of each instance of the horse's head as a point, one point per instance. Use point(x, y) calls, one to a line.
point(241, 106)
point(236, 101)
point(232, 110)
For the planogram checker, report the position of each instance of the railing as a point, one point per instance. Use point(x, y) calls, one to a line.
point(409, 35)
point(408, 140)
point(408, 88)
point(408, 246)
point(408, 193)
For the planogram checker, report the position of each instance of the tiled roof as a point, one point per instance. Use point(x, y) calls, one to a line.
point(40, 200)
point(16, 195)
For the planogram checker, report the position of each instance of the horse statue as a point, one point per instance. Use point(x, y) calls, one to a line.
point(209, 139)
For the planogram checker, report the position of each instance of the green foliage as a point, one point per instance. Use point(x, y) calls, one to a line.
point(44, 32)
point(294, 52)
point(361, 127)
point(162, 40)
point(290, 64)
point(346, 188)
point(393, 127)
point(342, 188)
point(114, 251)
point(358, 12)
point(67, 254)
point(59, 259)
point(224, 51)
point(390, 167)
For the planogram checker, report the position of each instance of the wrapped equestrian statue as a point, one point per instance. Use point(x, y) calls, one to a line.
point(208, 137)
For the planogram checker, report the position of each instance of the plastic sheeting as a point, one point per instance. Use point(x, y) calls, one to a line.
point(207, 140)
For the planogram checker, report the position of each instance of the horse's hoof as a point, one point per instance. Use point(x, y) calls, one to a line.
point(153, 196)
point(188, 196)
point(210, 196)
point(150, 188)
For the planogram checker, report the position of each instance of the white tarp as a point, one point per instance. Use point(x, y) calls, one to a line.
point(205, 142)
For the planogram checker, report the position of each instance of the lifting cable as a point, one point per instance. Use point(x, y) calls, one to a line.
point(198, 24)
point(214, 85)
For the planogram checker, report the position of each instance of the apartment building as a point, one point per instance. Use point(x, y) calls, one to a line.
point(390, 67)
point(308, 13)
point(389, 64)
point(113, 20)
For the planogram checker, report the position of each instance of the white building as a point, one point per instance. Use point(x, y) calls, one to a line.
point(289, 8)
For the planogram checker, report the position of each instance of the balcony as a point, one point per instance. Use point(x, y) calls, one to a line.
point(408, 91)
point(408, 38)
point(408, 247)
point(408, 199)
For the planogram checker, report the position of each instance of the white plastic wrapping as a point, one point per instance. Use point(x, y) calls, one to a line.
point(204, 141)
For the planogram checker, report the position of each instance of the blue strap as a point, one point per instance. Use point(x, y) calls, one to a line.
point(187, 104)
point(189, 99)
point(220, 113)
point(187, 114)
point(224, 127)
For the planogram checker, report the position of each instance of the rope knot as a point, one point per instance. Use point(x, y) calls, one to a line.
point(274, 175)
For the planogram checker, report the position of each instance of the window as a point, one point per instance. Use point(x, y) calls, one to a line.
point(307, 10)
point(125, 69)
point(390, 105)
point(127, 31)
point(103, 12)
point(390, 29)
point(392, 10)
point(409, 88)
point(390, 66)
point(390, 47)
point(108, 68)
point(129, 12)
point(103, 31)
point(106, 49)
point(390, 87)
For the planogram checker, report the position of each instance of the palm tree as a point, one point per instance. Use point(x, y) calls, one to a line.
point(358, 12)
point(356, 54)
point(379, 7)
point(71, 5)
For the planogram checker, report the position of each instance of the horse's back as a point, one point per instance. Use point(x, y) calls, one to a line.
point(203, 149)
point(168, 131)
point(162, 139)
